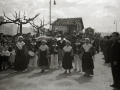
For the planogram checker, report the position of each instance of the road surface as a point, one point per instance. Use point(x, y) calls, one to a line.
point(57, 80)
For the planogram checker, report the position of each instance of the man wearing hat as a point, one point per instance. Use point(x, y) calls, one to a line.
point(54, 55)
point(61, 43)
point(34, 48)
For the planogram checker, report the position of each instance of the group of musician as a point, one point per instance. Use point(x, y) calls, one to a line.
point(27, 54)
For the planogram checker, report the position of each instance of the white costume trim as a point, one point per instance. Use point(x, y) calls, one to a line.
point(20, 45)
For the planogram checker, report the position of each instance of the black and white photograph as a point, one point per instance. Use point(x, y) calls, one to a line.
point(59, 45)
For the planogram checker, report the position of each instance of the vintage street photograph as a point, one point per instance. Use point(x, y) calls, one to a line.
point(59, 45)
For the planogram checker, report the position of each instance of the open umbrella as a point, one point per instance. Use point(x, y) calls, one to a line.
point(43, 38)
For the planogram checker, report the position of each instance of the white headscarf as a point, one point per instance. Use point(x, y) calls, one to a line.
point(20, 44)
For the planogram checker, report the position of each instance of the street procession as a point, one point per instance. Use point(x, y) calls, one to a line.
point(65, 51)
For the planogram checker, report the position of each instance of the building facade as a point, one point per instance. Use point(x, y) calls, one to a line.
point(68, 25)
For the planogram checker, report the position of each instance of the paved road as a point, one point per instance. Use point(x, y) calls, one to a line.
point(57, 80)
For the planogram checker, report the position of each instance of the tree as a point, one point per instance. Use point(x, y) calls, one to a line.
point(38, 28)
point(20, 21)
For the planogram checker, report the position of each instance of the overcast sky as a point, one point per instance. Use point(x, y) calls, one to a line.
point(98, 14)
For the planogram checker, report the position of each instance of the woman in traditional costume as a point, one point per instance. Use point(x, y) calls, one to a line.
point(67, 57)
point(43, 56)
point(87, 61)
point(20, 63)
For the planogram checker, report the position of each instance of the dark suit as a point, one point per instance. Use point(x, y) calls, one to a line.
point(114, 54)
point(77, 46)
point(61, 45)
point(52, 49)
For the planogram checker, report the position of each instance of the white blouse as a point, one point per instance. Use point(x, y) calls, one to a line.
point(43, 47)
point(5, 53)
point(87, 47)
point(67, 48)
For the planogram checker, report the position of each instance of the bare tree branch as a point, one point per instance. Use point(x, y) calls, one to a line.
point(16, 14)
point(31, 19)
point(7, 17)
point(35, 26)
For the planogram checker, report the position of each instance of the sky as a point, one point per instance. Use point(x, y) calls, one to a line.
point(97, 14)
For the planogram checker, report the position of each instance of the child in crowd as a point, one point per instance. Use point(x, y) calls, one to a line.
point(12, 57)
point(5, 57)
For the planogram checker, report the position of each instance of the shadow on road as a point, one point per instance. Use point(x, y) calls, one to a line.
point(62, 75)
point(83, 79)
point(10, 75)
point(39, 73)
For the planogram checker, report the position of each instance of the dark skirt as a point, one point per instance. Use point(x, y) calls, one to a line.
point(87, 63)
point(43, 60)
point(67, 61)
point(20, 63)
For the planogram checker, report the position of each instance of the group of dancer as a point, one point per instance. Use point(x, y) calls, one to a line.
point(60, 53)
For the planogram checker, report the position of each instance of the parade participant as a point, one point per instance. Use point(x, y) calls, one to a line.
point(61, 43)
point(54, 55)
point(20, 63)
point(34, 49)
point(27, 43)
point(87, 61)
point(67, 57)
point(43, 56)
point(76, 51)
point(5, 57)
point(1, 60)
point(115, 57)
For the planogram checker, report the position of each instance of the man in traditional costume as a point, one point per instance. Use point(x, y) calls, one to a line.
point(54, 55)
point(61, 43)
point(34, 49)
point(76, 50)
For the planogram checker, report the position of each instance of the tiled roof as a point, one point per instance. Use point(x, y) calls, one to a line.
point(67, 21)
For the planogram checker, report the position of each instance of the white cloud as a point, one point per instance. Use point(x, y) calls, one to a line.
point(71, 1)
point(102, 14)
point(93, 12)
